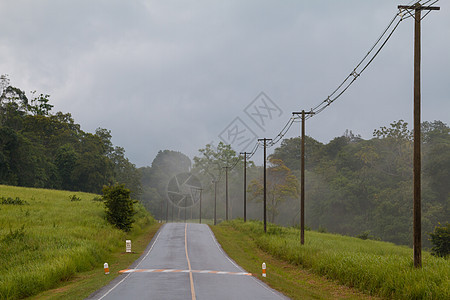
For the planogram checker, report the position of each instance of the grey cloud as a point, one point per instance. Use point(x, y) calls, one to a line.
point(174, 74)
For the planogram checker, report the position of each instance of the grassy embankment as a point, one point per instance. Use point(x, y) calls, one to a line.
point(376, 268)
point(49, 241)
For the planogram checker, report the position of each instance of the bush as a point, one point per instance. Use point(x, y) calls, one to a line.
point(74, 198)
point(11, 201)
point(367, 236)
point(119, 206)
point(441, 240)
point(97, 199)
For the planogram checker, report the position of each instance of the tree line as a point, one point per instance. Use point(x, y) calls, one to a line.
point(353, 186)
point(39, 148)
point(365, 187)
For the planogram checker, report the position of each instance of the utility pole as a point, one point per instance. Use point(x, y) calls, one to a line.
point(200, 214)
point(215, 201)
point(302, 177)
point(167, 211)
point(245, 185)
point(417, 211)
point(265, 183)
point(226, 192)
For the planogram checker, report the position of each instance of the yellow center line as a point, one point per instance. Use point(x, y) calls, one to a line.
point(189, 264)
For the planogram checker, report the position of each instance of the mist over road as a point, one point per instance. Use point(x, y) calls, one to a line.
point(184, 261)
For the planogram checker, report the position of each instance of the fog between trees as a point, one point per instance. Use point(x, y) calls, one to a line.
point(353, 186)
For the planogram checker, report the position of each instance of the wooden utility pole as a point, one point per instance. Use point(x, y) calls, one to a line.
point(265, 183)
point(245, 185)
point(215, 201)
point(302, 177)
point(226, 193)
point(417, 212)
point(200, 213)
point(167, 210)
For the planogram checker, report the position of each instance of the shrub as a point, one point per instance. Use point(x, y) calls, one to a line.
point(11, 201)
point(74, 198)
point(367, 236)
point(97, 199)
point(441, 240)
point(119, 206)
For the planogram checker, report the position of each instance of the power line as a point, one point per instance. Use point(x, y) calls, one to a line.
point(342, 88)
point(349, 80)
point(282, 132)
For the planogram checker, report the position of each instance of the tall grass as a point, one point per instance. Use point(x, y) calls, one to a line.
point(51, 238)
point(374, 267)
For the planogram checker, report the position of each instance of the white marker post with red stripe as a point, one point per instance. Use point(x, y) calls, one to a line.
point(264, 270)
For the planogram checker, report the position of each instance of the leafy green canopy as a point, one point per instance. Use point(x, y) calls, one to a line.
point(119, 206)
point(441, 240)
point(39, 148)
point(356, 186)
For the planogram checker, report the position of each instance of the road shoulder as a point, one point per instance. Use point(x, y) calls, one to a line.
point(288, 279)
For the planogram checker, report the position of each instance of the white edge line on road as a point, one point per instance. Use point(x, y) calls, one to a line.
point(221, 250)
point(149, 250)
point(239, 267)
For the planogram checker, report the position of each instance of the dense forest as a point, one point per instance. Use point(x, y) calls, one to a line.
point(364, 187)
point(42, 149)
point(353, 186)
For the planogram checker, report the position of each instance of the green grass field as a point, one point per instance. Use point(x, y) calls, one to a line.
point(45, 238)
point(376, 268)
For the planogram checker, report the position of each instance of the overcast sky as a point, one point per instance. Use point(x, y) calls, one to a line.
point(179, 74)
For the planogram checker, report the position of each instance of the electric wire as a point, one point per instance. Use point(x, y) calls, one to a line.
point(426, 14)
point(282, 133)
point(343, 87)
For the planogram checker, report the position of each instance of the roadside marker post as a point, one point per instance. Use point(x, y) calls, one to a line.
point(264, 270)
point(106, 267)
point(128, 246)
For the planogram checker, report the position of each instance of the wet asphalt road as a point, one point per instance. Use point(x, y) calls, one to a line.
point(182, 262)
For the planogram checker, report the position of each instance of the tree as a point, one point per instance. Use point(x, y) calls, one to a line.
point(41, 149)
point(93, 169)
point(40, 105)
point(281, 185)
point(125, 172)
point(13, 105)
point(211, 163)
point(441, 240)
point(290, 150)
point(66, 159)
point(437, 158)
point(119, 206)
point(210, 166)
point(154, 180)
